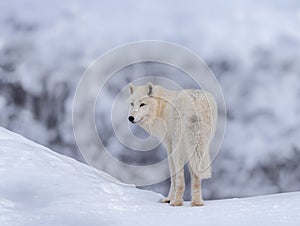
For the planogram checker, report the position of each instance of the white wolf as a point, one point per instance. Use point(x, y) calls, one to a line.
point(185, 120)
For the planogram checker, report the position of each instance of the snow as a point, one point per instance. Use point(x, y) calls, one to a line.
point(251, 45)
point(41, 187)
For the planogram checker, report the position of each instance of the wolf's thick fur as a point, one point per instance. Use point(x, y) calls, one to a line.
point(185, 120)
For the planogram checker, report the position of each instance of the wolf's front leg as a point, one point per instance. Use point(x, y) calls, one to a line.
point(180, 183)
point(171, 194)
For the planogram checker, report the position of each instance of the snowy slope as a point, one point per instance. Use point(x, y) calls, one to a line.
point(251, 45)
point(40, 187)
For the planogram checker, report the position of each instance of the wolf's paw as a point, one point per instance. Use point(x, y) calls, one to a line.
point(197, 203)
point(166, 200)
point(176, 203)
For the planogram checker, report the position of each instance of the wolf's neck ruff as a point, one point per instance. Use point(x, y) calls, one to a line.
point(161, 107)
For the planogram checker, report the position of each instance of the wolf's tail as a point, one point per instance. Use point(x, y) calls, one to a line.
point(200, 162)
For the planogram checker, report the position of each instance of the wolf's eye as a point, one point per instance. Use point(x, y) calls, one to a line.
point(142, 104)
point(131, 104)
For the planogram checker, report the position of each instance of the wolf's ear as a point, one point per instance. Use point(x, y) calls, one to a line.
point(150, 89)
point(131, 88)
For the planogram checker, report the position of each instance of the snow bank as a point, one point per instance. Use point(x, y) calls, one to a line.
point(41, 187)
point(251, 45)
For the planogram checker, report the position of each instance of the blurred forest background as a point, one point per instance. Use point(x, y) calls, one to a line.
point(252, 46)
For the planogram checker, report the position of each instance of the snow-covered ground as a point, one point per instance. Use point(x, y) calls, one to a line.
point(41, 187)
point(251, 45)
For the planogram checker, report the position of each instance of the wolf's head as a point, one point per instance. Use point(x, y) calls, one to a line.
point(143, 105)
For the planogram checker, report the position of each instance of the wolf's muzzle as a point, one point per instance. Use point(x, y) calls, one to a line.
point(131, 119)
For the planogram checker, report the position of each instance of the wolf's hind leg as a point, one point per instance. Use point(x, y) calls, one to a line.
point(196, 189)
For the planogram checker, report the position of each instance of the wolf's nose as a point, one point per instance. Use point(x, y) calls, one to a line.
point(131, 118)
